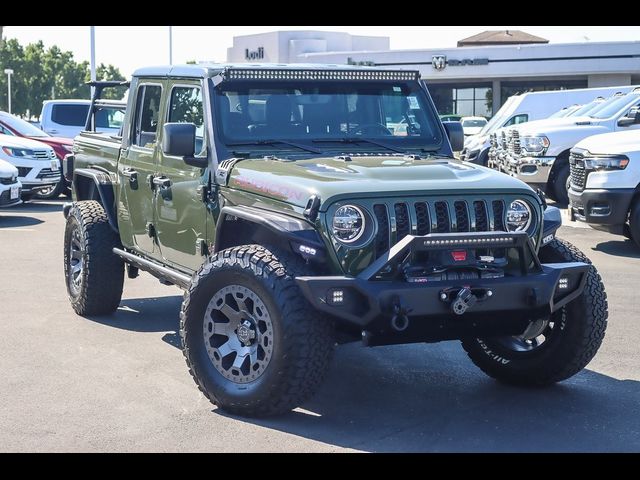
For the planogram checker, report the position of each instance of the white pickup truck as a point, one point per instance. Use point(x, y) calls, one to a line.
point(604, 186)
point(538, 153)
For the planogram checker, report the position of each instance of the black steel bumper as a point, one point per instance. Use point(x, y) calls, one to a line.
point(603, 209)
point(533, 291)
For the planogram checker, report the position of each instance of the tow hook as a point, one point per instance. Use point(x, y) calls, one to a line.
point(400, 319)
point(462, 299)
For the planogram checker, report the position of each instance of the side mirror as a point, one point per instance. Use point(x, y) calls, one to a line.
point(455, 134)
point(631, 118)
point(179, 140)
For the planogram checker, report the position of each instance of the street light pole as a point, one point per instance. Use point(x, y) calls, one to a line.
point(92, 34)
point(170, 45)
point(9, 72)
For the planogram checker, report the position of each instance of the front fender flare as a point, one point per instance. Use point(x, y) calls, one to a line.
point(297, 232)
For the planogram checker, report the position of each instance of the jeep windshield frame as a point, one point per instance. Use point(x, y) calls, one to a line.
point(386, 116)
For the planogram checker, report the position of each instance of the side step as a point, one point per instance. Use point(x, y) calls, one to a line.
point(164, 274)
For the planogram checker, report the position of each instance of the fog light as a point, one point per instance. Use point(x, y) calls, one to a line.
point(600, 210)
point(563, 284)
point(335, 297)
point(307, 250)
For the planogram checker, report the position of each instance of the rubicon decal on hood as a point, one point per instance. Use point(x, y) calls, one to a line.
point(275, 190)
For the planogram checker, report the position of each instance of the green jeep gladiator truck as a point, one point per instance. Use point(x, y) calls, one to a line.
point(296, 215)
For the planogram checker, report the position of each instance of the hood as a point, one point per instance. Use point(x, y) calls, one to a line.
point(7, 170)
point(53, 140)
point(617, 143)
point(20, 142)
point(541, 126)
point(365, 176)
point(472, 130)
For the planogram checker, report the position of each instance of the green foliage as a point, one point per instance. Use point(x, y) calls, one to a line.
point(42, 74)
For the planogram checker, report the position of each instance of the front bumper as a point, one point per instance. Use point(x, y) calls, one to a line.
point(535, 291)
point(5, 195)
point(533, 170)
point(602, 209)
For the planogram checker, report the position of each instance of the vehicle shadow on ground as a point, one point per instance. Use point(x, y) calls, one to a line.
point(147, 315)
point(16, 221)
point(40, 206)
point(419, 398)
point(619, 248)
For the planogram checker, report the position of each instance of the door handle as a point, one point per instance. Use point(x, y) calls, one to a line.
point(129, 172)
point(162, 182)
point(132, 175)
point(52, 130)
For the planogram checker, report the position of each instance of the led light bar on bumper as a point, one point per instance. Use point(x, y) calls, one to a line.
point(319, 74)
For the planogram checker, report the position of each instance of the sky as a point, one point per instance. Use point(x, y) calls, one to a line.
point(132, 47)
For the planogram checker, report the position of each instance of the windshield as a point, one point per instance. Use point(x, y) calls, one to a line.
point(396, 115)
point(565, 112)
point(22, 127)
point(499, 116)
point(474, 123)
point(612, 107)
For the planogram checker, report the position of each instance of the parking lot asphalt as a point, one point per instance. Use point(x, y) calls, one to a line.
point(120, 383)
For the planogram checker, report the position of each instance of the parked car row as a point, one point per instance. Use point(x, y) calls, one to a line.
point(529, 107)
point(36, 154)
point(584, 159)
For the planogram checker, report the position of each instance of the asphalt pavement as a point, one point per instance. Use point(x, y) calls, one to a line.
point(120, 383)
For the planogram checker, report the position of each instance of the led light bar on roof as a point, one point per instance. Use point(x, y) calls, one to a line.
point(291, 74)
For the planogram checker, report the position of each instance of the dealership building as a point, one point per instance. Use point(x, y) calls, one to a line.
point(475, 77)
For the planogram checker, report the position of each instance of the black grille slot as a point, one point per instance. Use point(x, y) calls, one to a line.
point(382, 237)
point(462, 216)
point(403, 223)
point(498, 215)
point(480, 211)
point(422, 214)
point(23, 171)
point(442, 217)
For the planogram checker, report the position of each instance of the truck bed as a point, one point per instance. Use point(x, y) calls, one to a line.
point(97, 150)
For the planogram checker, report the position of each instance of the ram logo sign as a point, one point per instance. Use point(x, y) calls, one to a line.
point(439, 62)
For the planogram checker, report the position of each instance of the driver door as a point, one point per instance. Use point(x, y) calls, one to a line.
point(181, 213)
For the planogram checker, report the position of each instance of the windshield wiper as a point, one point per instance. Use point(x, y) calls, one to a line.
point(275, 142)
point(357, 140)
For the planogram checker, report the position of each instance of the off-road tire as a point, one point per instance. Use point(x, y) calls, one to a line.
point(303, 340)
point(582, 325)
point(634, 221)
point(102, 276)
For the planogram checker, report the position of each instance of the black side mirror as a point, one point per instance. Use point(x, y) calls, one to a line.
point(455, 134)
point(179, 140)
point(631, 118)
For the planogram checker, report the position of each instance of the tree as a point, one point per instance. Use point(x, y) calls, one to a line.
point(42, 74)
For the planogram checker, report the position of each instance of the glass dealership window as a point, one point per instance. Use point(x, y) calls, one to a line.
point(474, 100)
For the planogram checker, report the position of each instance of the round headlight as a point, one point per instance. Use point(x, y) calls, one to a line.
point(518, 216)
point(348, 224)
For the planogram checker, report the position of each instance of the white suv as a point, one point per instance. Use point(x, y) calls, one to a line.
point(37, 164)
point(10, 186)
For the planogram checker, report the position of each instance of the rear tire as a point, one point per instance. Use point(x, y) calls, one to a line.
point(571, 339)
point(281, 357)
point(93, 274)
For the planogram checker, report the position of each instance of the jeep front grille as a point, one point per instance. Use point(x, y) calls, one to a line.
point(396, 220)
